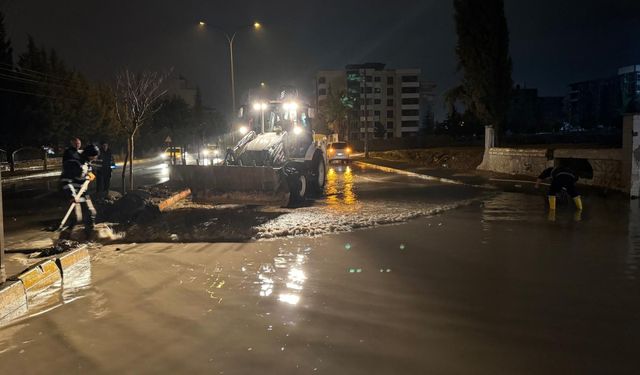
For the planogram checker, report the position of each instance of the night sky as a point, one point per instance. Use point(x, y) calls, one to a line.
point(553, 42)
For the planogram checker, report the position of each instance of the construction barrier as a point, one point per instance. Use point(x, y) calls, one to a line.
point(13, 301)
point(16, 293)
point(40, 277)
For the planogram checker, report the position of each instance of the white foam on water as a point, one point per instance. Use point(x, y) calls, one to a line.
point(316, 221)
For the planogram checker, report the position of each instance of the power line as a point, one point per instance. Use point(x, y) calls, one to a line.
point(29, 93)
point(38, 95)
point(36, 73)
point(7, 77)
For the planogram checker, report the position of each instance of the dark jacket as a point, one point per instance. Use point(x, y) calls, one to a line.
point(74, 173)
point(104, 164)
point(563, 173)
point(70, 153)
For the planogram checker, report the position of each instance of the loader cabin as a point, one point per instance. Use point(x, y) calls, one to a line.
point(291, 116)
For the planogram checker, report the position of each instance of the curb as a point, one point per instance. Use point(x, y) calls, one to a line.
point(40, 277)
point(16, 293)
point(419, 175)
point(163, 205)
point(411, 174)
point(13, 301)
point(72, 259)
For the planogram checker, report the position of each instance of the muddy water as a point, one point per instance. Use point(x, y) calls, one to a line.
point(354, 198)
point(489, 288)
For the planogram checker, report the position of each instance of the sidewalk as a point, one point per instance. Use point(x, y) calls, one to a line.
point(54, 171)
point(472, 177)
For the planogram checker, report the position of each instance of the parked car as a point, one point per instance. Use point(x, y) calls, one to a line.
point(211, 154)
point(339, 151)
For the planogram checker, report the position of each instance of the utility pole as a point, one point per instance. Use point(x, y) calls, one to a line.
point(233, 81)
point(366, 116)
point(3, 272)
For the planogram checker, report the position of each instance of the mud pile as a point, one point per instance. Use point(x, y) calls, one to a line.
point(192, 222)
point(458, 158)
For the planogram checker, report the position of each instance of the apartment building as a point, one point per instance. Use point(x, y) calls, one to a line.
point(388, 103)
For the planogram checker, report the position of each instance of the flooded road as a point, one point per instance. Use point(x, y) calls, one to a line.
point(354, 198)
point(492, 287)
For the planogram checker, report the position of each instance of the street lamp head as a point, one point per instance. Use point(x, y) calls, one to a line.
point(201, 23)
point(262, 84)
point(257, 25)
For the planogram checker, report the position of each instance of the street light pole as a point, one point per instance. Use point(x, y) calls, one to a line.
point(233, 81)
point(230, 39)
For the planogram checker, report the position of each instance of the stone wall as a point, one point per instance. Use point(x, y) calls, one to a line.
point(607, 164)
point(613, 168)
point(527, 162)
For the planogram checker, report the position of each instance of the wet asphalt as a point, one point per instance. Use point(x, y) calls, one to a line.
point(383, 275)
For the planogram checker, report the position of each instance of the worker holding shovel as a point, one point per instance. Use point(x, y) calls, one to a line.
point(75, 178)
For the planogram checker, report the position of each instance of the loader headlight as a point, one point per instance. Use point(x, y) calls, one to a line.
point(243, 130)
point(290, 106)
point(297, 130)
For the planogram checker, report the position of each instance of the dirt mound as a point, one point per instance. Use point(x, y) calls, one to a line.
point(135, 206)
point(190, 222)
point(458, 158)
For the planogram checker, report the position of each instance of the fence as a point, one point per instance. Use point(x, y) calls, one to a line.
point(28, 158)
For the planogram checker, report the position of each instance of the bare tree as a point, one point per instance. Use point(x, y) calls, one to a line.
point(136, 100)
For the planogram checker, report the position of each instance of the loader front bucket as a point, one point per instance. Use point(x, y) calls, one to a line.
point(265, 186)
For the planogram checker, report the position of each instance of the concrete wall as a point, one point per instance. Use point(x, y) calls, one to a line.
point(527, 162)
point(631, 151)
point(607, 164)
point(613, 168)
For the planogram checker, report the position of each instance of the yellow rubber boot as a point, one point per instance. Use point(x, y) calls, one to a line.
point(578, 201)
point(552, 202)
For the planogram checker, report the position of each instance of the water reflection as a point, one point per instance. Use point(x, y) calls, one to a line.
point(77, 279)
point(271, 276)
point(339, 187)
point(512, 207)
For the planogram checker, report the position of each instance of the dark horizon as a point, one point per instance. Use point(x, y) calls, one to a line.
point(552, 44)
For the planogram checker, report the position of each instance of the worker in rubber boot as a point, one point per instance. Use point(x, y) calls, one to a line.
point(561, 178)
point(75, 172)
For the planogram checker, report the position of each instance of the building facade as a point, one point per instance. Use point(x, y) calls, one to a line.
point(602, 102)
point(179, 86)
point(386, 103)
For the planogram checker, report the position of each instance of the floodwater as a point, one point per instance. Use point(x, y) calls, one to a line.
point(492, 287)
point(354, 198)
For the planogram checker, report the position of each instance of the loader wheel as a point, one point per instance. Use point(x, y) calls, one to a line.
point(318, 174)
point(299, 188)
